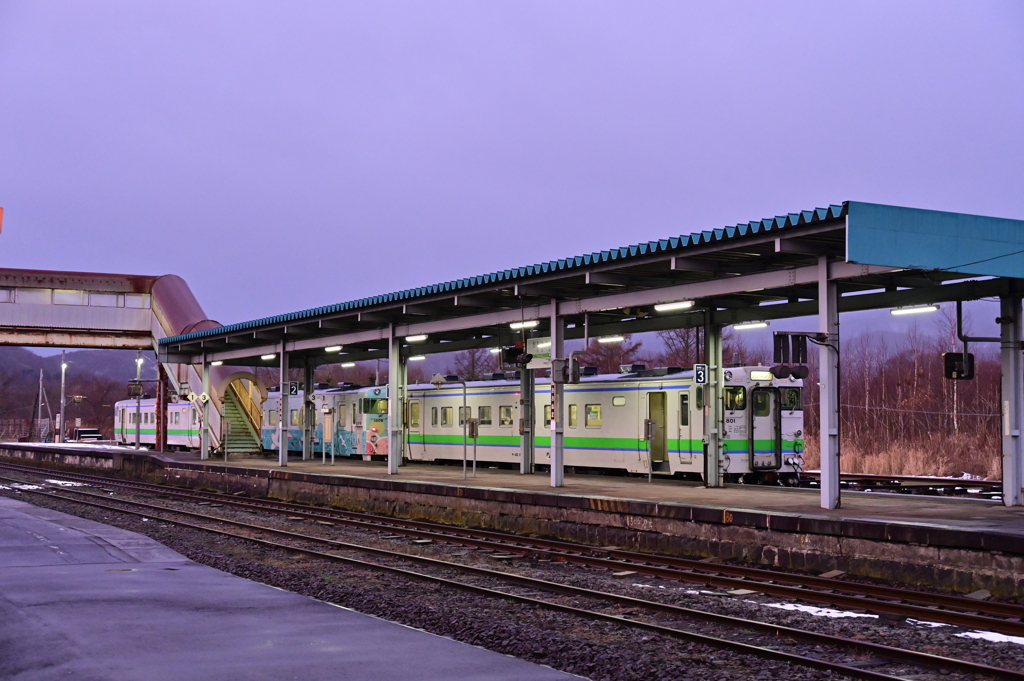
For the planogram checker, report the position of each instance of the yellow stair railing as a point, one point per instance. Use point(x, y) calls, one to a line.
point(248, 405)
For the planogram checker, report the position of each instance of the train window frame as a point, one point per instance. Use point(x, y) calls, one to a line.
point(433, 417)
point(547, 415)
point(374, 405)
point(506, 416)
point(195, 417)
point(597, 409)
point(684, 409)
point(294, 418)
point(619, 401)
point(761, 403)
point(447, 417)
point(574, 415)
point(731, 402)
point(465, 412)
point(414, 414)
point(272, 417)
point(342, 415)
point(484, 415)
point(786, 404)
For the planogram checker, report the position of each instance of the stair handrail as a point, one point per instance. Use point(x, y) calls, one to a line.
point(249, 407)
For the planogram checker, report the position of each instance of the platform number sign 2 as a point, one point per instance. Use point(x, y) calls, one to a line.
point(293, 387)
point(700, 374)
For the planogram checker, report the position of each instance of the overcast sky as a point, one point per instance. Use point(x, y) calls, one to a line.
point(280, 156)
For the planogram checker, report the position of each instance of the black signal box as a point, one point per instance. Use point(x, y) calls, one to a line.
point(957, 366)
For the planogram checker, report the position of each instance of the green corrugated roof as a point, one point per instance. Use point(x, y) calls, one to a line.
point(672, 245)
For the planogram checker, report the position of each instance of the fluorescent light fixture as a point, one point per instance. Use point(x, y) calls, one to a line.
point(750, 325)
point(267, 356)
point(495, 351)
point(138, 360)
point(668, 307)
point(524, 325)
point(417, 358)
point(545, 344)
point(216, 364)
point(64, 365)
point(347, 365)
point(611, 339)
point(416, 339)
point(917, 309)
point(332, 348)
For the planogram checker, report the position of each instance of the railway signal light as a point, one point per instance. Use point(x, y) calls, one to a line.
point(957, 366)
point(790, 355)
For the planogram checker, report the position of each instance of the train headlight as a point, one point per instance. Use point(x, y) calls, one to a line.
point(728, 375)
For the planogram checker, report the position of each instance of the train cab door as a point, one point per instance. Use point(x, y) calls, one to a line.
point(765, 429)
point(656, 411)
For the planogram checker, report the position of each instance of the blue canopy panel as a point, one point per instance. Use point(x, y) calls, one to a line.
point(912, 238)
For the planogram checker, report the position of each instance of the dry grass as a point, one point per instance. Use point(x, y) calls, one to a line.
point(942, 455)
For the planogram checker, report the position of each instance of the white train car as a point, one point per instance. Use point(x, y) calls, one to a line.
point(183, 424)
point(604, 423)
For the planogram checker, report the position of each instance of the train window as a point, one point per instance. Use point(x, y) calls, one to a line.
point(505, 416)
point(684, 409)
point(272, 417)
point(375, 406)
point(195, 417)
point(619, 401)
point(593, 412)
point(414, 414)
point(463, 412)
point(485, 416)
point(735, 397)
point(791, 399)
point(762, 403)
point(295, 418)
point(446, 416)
point(547, 414)
point(433, 416)
point(574, 415)
point(343, 415)
point(700, 397)
point(177, 417)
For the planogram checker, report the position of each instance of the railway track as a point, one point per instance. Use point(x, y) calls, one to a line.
point(496, 584)
point(1003, 618)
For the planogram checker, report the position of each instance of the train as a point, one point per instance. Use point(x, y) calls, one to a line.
point(604, 416)
point(183, 423)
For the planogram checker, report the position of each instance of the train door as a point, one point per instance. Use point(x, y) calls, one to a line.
point(686, 446)
point(765, 430)
point(656, 408)
point(415, 430)
point(124, 425)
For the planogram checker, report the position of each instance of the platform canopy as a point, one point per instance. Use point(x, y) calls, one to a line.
point(881, 256)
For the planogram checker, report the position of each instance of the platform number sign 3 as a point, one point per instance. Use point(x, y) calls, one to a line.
point(293, 387)
point(700, 374)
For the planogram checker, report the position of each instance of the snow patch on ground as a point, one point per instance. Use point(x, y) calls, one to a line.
point(67, 483)
point(23, 486)
point(817, 612)
point(993, 637)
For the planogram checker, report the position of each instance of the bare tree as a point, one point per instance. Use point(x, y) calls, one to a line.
point(608, 357)
point(473, 365)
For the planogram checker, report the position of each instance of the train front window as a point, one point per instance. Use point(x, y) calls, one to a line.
point(735, 397)
point(375, 406)
point(791, 399)
point(762, 403)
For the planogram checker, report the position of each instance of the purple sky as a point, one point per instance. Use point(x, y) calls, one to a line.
point(283, 156)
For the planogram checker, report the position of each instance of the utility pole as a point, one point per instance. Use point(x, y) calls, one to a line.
point(63, 399)
point(40, 412)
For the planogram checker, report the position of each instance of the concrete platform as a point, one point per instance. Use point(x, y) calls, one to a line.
point(82, 600)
